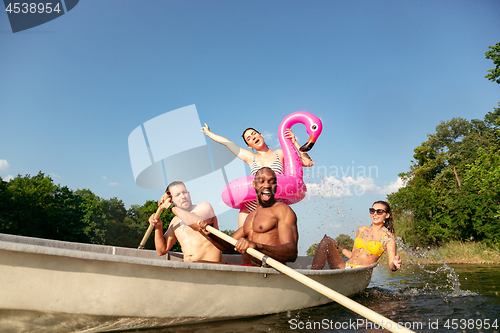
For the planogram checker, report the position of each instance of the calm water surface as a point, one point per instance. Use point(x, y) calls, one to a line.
point(464, 298)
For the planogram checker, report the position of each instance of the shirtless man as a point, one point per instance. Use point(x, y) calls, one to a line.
point(195, 245)
point(270, 229)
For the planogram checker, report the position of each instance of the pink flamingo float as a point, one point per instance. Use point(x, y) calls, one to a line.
point(291, 188)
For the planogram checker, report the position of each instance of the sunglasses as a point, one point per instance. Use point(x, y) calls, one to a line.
point(379, 211)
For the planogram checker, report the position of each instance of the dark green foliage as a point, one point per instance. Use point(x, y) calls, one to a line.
point(228, 232)
point(452, 190)
point(36, 207)
point(342, 239)
point(494, 54)
point(345, 241)
point(312, 250)
point(136, 224)
point(6, 208)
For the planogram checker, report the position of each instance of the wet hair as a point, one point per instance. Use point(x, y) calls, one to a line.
point(243, 135)
point(389, 222)
point(264, 169)
point(174, 183)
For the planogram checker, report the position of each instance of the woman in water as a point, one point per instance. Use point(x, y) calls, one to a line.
point(264, 156)
point(369, 244)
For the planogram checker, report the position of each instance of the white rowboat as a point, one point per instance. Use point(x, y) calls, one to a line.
point(54, 286)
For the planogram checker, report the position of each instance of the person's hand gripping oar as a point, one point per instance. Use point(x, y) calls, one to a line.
point(337, 297)
point(166, 197)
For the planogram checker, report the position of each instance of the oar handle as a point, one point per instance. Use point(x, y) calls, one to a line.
point(332, 294)
point(150, 229)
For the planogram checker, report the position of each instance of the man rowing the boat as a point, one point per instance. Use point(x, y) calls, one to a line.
point(195, 244)
point(270, 229)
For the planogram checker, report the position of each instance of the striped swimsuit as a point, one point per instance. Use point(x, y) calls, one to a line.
point(276, 166)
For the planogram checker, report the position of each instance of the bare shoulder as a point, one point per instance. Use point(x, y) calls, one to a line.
point(360, 229)
point(246, 155)
point(175, 220)
point(282, 206)
point(204, 205)
point(286, 211)
point(204, 210)
point(174, 223)
point(390, 237)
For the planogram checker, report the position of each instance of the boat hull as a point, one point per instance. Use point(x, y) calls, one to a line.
point(99, 288)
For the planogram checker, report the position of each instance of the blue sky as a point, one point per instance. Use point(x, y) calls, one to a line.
point(380, 75)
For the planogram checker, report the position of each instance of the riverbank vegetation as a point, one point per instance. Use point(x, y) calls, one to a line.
point(453, 252)
point(35, 206)
point(468, 253)
point(452, 190)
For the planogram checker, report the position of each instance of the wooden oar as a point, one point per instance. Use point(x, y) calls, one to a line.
point(150, 229)
point(337, 297)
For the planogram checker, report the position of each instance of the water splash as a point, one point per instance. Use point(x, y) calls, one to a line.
point(422, 257)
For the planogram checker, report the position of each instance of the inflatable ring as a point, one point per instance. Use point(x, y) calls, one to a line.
point(291, 188)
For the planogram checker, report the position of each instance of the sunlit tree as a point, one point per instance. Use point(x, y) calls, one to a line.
point(494, 54)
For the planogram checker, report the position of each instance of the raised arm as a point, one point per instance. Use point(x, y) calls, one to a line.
point(204, 211)
point(394, 260)
point(163, 243)
point(239, 152)
point(304, 157)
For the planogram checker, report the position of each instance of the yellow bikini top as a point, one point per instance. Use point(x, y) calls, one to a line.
point(372, 247)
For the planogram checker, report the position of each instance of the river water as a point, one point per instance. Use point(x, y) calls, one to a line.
point(425, 298)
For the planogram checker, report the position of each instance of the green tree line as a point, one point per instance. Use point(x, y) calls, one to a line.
point(35, 206)
point(452, 191)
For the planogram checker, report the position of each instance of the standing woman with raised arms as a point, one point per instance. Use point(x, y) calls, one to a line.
point(264, 157)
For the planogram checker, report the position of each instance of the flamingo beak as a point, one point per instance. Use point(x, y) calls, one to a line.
point(309, 144)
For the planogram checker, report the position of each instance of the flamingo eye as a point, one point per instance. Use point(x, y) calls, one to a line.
point(314, 127)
